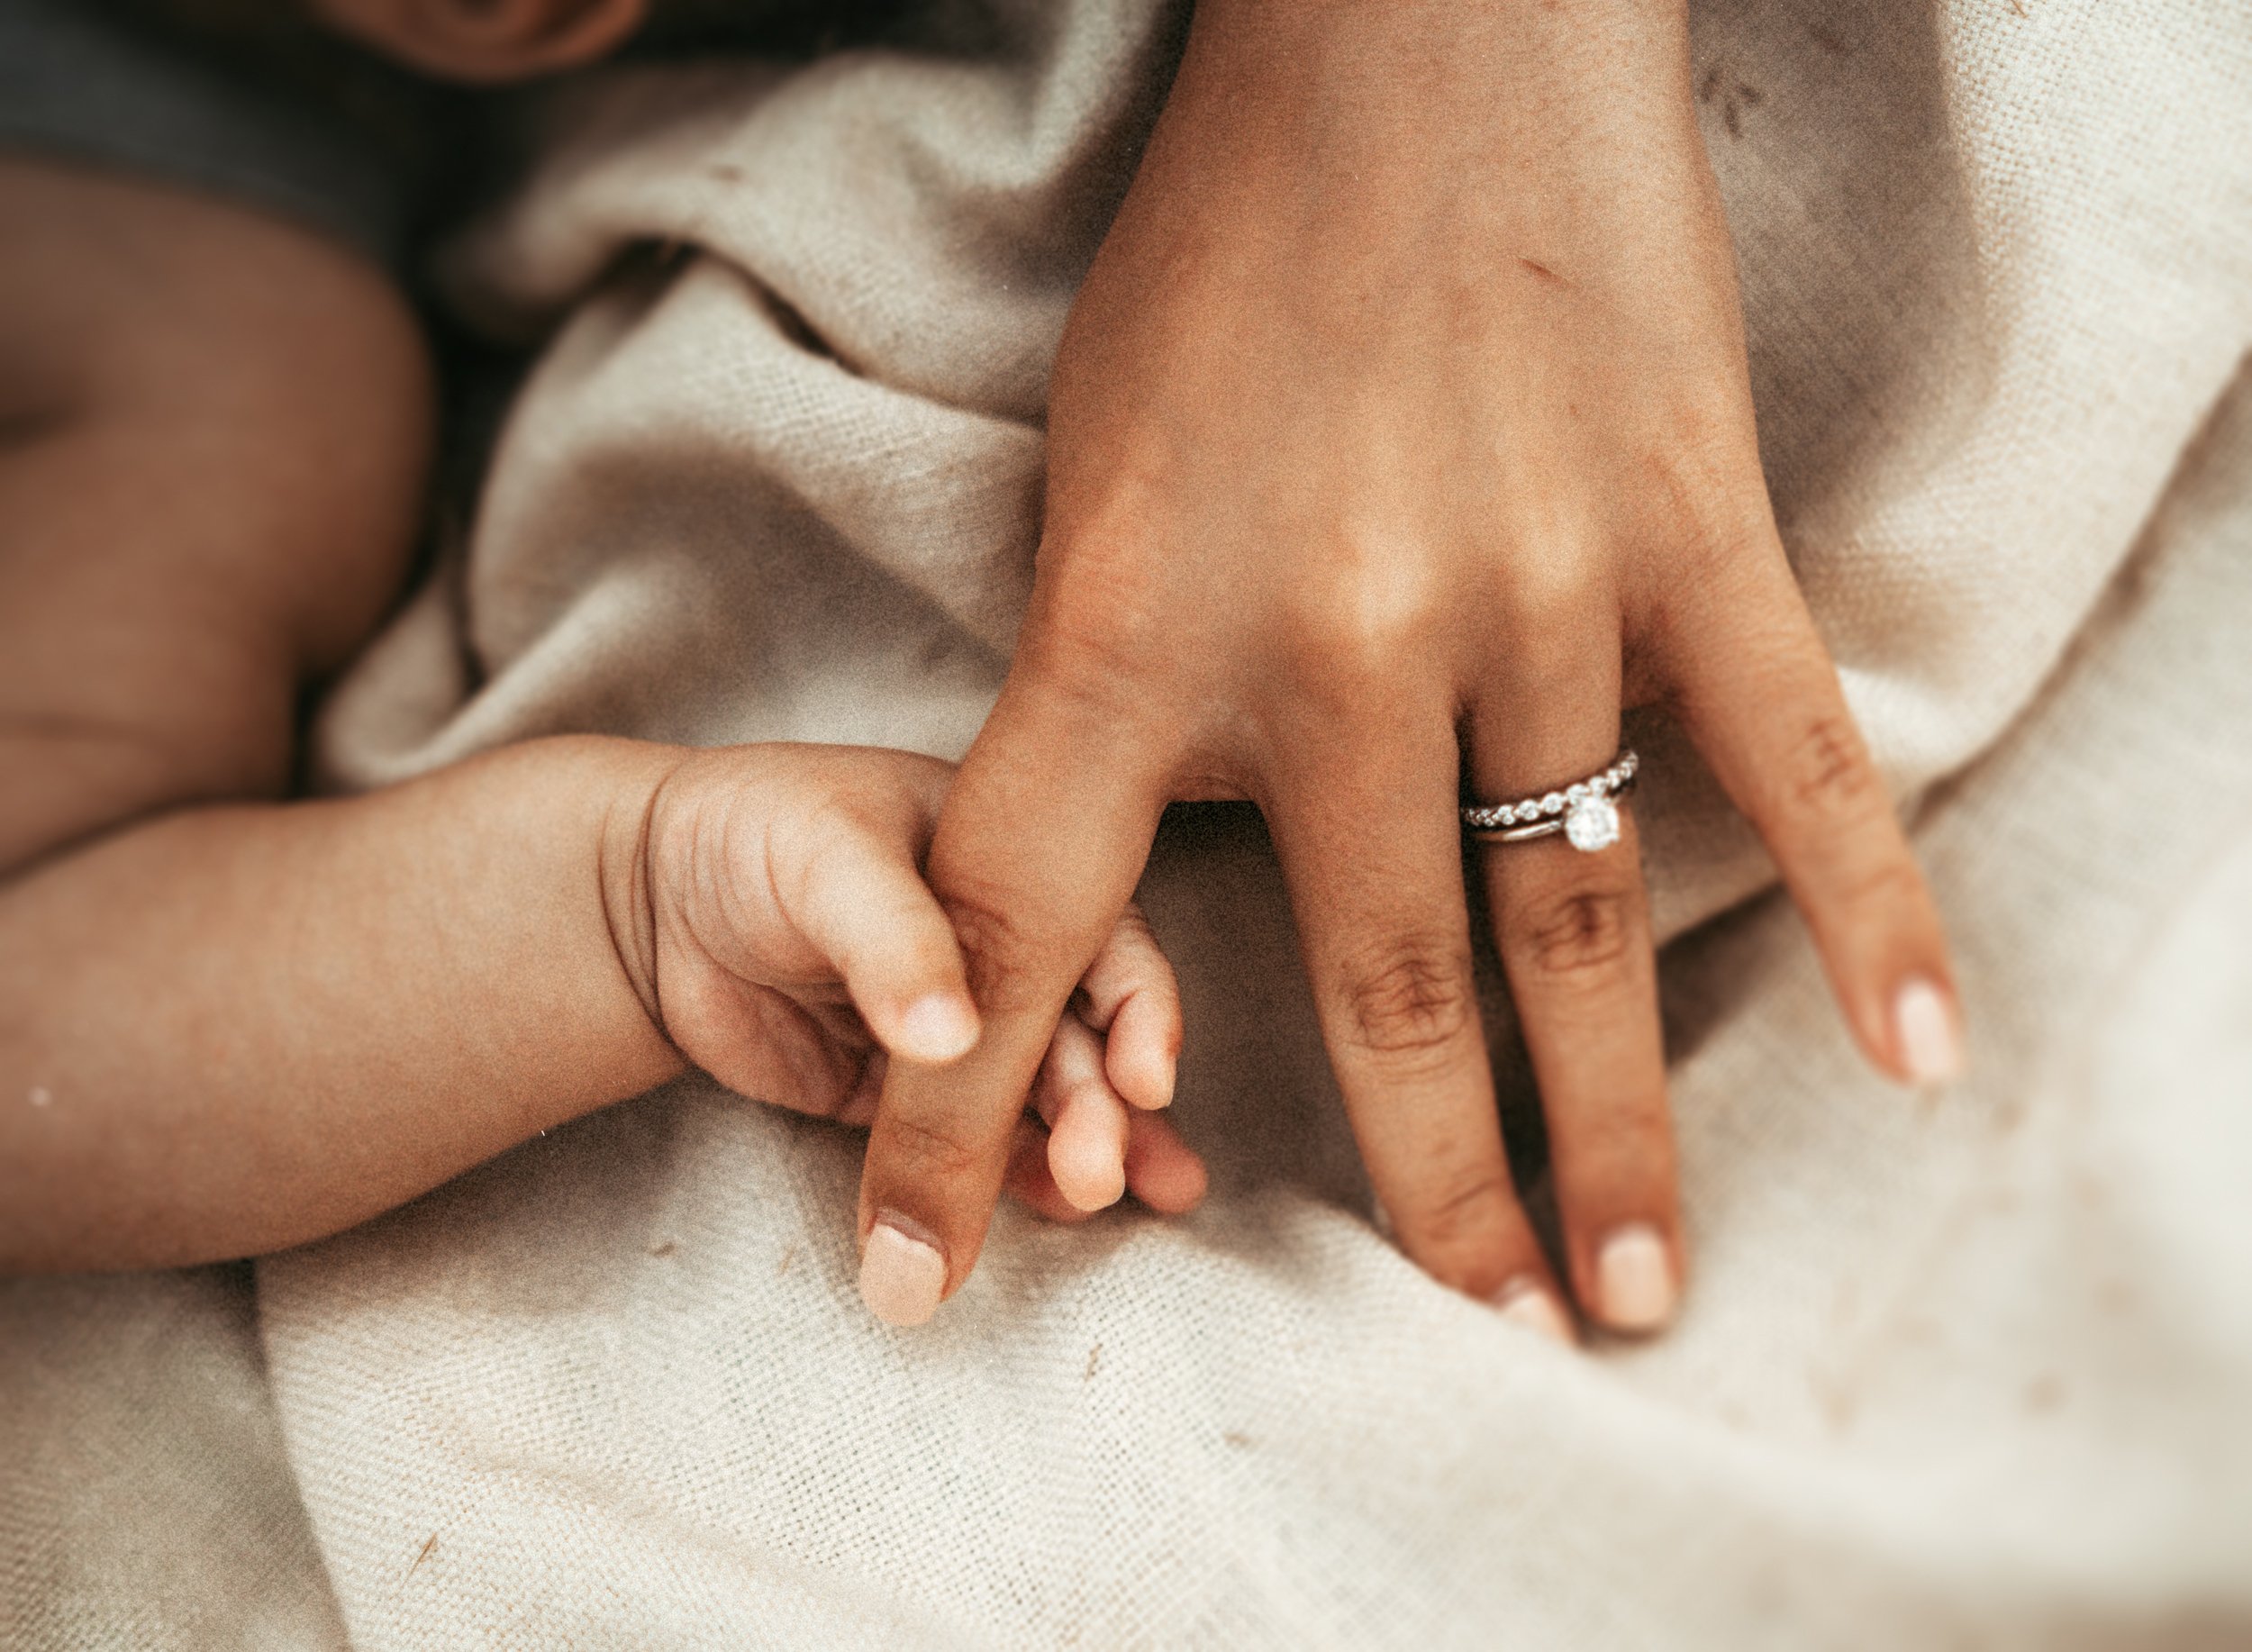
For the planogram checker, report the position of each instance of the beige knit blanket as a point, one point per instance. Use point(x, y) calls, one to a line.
point(1970, 1373)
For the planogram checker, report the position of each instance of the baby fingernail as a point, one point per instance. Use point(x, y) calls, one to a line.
point(1529, 1304)
point(1924, 1024)
point(1170, 1078)
point(902, 1272)
point(1634, 1280)
point(937, 1027)
point(1091, 1173)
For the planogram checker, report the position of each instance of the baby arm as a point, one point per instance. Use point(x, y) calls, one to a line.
point(229, 1025)
point(239, 1027)
point(226, 1025)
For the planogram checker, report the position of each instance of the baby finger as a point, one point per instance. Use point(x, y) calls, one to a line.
point(1086, 1117)
point(1130, 995)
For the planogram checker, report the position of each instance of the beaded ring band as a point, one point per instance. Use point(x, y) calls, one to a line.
point(1585, 812)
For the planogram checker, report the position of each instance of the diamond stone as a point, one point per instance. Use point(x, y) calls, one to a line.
point(1553, 804)
point(1592, 825)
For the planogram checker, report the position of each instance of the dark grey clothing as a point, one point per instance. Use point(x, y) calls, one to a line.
point(289, 121)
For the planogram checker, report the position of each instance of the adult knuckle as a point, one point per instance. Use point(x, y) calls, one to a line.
point(1710, 496)
point(1882, 887)
point(1001, 950)
point(1703, 448)
point(1463, 1212)
point(1578, 934)
point(1628, 1147)
point(1374, 605)
point(923, 1152)
point(1414, 999)
point(1097, 631)
point(1332, 683)
point(1829, 775)
point(1547, 593)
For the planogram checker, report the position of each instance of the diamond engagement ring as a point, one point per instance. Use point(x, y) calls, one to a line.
point(1587, 812)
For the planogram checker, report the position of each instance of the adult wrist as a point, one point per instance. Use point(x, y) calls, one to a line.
point(1416, 55)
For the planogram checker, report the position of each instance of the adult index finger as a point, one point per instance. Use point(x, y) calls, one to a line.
point(1037, 850)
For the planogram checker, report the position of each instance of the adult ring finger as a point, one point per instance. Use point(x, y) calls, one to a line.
point(1572, 926)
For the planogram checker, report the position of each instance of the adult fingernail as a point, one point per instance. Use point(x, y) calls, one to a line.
point(1634, 1280)
point(1531, 1304)
point(1930, 1043)
point(937, 1027)
point(903, 1272)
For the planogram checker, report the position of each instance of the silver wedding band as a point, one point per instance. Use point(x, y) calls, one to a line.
point(1585, 812)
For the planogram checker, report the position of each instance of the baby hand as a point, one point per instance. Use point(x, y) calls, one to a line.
point(785, 941)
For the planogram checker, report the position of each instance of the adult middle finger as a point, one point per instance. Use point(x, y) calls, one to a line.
point(1365, 825)
point(1037, 851)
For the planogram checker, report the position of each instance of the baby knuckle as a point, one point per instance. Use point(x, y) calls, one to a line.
point(1133, 956)
point(1578, 934)
point(1416, 999)
point(1132, 927)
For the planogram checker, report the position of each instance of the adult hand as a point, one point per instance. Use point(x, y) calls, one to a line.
point(1403, 430)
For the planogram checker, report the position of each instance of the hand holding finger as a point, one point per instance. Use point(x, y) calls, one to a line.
point(863, 905)
point(1099, 1147)
point(1033, 861)
point(788, 923)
